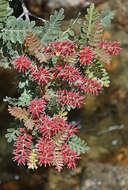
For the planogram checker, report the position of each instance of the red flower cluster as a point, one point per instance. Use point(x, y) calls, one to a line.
point(47, 154)
point(60, 48)
point(45, 151)
point(23, 147)
point(60, 71)
point(86, 55)
point(69, 156)
point(21, 63)
point(41, 75)
point(91, 86)
point(49, 148)
point(111, 48)
point(49, 127)
point(67, 73)
point(36, 107)
point(69, 98)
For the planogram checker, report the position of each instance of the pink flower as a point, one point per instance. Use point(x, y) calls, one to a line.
point(59, 124)
point(67, 73)
point(69, 98)
point(48, 127)
point(41, 75)
point(45, 151)
point(71, 130)
point(86, 55)
point(23, 148)
point(36, 107)
point(69, 156)
point(45, 126)
point(21, 63)
point(91, 86)
point(60, 48)
point(111, 48)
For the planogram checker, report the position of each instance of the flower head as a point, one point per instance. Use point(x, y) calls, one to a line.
point(111, 48)
point(36, 107)
point(45, 151)
point(86, 55)
point(23, 148)
point(60, 48)
point(41, 75)
point(21, 63)
point(69, 156)
point(67, 73)
point(69, 98)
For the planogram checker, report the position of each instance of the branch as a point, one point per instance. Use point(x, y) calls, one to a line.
point(27, 13)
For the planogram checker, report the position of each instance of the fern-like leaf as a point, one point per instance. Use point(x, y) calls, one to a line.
point(102, 55)
point(106, 16)
point(52, 27)
point(34, 46)
point(22, 114)
point(22, 101)
point(78, 145)
point(71, 59)
point(18, 112)
point(96, 34)
point(59, 140)
point(16, 29)
point(5, 10)
point(91, 17)
point(11, 134)
point(97, 72)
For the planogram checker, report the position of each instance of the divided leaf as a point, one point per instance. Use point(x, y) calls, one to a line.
point(106, 16)
point(59, 140)
point(78, 145)
point(91, 17)
point(102, 55)
point(22, 114)
point(96, 34)
point(35, 46)
point(18, 112)
point(11, 134)
point(52, 27)
point(16, 29)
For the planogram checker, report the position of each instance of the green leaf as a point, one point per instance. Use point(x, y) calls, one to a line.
point(22, 101)
point(79, 21)
point(15, 30)
point(63, 36)
point(52, 27)
point(54, 60)
point(71, 32)
point(106, 17)
point(86, 30)
point(11, 134)
point(78, 145)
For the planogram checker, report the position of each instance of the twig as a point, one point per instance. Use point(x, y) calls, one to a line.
point(27, 13)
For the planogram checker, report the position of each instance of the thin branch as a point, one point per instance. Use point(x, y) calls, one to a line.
point(27, 13)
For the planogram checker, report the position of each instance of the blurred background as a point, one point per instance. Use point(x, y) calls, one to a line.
point(103, 121)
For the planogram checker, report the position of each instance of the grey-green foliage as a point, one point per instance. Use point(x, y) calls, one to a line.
point(70, 31)
point(78, 145)
point(11, 134)
point(5, 10)
point(52, 27)
point(106, 16)
point(15, 30)
point(97, 72)
point(91, 17)
point(22, 101)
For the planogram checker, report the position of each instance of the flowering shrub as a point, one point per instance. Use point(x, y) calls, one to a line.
point(55, 69)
